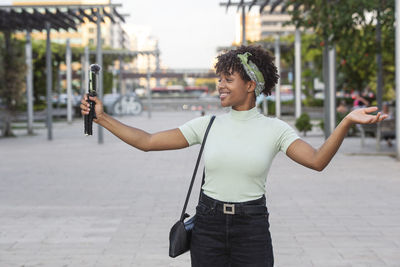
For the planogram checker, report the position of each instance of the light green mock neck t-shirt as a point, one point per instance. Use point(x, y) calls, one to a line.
point(239, 151)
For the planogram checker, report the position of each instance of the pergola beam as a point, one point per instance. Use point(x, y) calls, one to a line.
point(66, 17)
point(76, 14)
point(22, 17)
point(57, 21)
point(61, 6)
point(126, 52)
point(31, 22)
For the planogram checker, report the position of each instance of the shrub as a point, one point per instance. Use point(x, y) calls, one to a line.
point(303, 123)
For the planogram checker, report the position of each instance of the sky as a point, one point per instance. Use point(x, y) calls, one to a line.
point(189, 31)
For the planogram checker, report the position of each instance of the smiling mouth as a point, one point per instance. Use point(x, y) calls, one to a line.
point(223, 94)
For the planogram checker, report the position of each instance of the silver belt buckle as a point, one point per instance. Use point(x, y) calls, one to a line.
point(229, 209)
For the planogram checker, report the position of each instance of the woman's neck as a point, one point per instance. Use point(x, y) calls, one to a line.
point(246, 106)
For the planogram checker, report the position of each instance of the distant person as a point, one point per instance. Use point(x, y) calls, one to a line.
point(342, 108)
point(386, 110)
point(232, 227)
point(360, 102)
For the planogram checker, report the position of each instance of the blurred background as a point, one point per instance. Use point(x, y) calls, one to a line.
point(65, 200)
point(332, 56)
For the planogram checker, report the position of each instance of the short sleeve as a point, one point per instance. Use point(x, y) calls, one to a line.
point(287, 135)
point(195, 129)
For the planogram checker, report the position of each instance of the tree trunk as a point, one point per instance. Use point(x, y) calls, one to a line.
point(6, 129)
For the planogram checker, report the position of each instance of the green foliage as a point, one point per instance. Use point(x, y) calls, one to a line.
point(351, 26)
point(303, 123)
point(177, 81)
point(311, 59)
point(39, 66)
point(12, 73)
point(209, 82)
point(58, 57)
point(313, 102)
point(321, 125)
point(270, 107)
point(339, 117)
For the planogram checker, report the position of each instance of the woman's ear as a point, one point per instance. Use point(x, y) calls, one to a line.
point(251, 86)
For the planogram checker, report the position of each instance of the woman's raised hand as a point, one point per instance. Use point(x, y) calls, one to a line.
point(98, 107)
point(362, 116)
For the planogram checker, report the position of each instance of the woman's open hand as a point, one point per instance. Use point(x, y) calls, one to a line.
point(362, 116)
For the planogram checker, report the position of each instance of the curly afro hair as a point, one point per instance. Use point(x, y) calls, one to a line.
point(228, 63)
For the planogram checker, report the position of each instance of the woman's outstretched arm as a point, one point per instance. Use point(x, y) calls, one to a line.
point(165, 140)
point(317, 159)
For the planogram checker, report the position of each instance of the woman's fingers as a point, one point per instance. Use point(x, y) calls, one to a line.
point(84, 109)
point(376, 118)
point(385, 116)
point(370, 109)
point(85, 106)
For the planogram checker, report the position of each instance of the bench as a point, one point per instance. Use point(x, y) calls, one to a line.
point(387, 129)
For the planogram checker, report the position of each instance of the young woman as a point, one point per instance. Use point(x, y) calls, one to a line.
point(232, 227)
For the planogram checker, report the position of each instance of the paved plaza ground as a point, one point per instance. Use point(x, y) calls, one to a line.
point(71, 202)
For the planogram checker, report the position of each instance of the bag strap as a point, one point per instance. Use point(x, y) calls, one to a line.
point(202, 182)
point(184, 215)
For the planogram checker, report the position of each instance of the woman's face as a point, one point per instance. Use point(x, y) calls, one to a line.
point(235, 92)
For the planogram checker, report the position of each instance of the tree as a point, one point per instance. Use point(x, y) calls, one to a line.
point(351, 26)
point(12, 73)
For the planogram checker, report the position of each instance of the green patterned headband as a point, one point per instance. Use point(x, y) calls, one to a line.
point(253, 72)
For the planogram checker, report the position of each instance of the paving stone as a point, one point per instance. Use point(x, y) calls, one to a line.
point(71, 202)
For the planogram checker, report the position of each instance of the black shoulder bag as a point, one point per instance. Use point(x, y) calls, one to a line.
point(181, 232)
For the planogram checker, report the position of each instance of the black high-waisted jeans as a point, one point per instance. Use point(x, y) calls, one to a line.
point(234, 240)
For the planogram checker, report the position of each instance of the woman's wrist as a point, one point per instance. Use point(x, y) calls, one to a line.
point(100, 118)
point(347, 121)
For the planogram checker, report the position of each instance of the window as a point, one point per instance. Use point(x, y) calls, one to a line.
point(269, 23)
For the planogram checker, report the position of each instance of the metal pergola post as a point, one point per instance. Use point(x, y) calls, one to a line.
point(86, 69)
point(244, 42)
point(158, 83)
point(82, 81)
point(120, 78)
point(297, 72)
point(332, 89)
point(69, 81)
point(149, 104)
point(265, 105)
point(397, 77)
point(49, 116)
point(325, 71)
point(99, 61)
point(58, 86)
point(29, 81)
point(278, 84)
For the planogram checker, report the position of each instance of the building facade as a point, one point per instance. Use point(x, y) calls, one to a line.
point(267, 24)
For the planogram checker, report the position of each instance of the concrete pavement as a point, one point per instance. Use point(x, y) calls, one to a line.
point(72, 202)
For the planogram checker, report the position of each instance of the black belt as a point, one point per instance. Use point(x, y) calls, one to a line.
point(243, 208)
